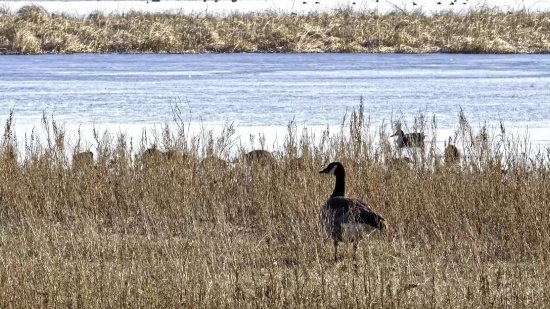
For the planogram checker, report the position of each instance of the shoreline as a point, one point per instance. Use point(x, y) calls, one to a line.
point(274, 137)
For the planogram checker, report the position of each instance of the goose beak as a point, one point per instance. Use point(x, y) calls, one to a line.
point(394, 134)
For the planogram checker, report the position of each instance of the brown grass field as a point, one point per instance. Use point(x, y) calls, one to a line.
point(175, 233)
point(32, 30)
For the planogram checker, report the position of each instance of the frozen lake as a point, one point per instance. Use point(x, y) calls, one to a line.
point(83, 8)
point(263, 92)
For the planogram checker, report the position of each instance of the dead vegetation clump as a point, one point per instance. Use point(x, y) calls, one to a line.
point(247, 235)
point(32, 30)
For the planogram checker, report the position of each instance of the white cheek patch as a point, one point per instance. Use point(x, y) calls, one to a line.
point(333, 170)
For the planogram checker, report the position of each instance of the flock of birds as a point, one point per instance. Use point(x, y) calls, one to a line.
point(353, 3)
point(439, 2)
point(345, 219)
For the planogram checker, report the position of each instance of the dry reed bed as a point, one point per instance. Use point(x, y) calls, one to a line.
point(32, 30)
point(178, 234)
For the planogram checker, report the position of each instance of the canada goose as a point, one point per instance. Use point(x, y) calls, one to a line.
point(153, 153)
point(155, 156)
point(345, 218)
point(214, 162)
point(409, 140)
point(451, 154)
point(259, 156)
point(85, 158)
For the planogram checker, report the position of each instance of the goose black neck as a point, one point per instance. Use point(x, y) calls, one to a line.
point(340, 187)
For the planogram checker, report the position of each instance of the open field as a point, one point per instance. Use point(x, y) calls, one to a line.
point(172, 232)
point(32, 30)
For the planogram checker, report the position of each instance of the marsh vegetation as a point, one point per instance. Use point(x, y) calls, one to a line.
point(32, 30)
point(185, 234)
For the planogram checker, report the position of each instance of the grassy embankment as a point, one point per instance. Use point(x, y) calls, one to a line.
point(176, 234)
point(32, 30)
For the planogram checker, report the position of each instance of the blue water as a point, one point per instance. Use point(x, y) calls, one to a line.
point(272, 89)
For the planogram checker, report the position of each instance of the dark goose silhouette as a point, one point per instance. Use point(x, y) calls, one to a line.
point(85, 158)
point(452, 155)
point(409, 140)
point(347, 219)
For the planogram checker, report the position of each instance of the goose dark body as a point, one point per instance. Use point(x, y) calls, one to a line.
point(346, 210)
point(409, 139)
point(346, 218)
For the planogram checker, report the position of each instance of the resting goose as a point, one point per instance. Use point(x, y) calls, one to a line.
point(451, 154)
point(345, 218)
point(409, 140)
point(82, 159)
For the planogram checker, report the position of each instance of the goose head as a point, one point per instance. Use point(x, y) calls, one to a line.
point(334, 168)
point(398, 133)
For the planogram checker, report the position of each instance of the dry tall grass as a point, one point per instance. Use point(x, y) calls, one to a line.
point(186, 234)
point(32, 30)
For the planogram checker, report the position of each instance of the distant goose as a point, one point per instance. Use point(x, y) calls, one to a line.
point(451, 154)
point(259, 156)
point(214, 162)
point(157, 154)
point(409, 140)
point(345, 218)
point(82, 159)
point(153, 156)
